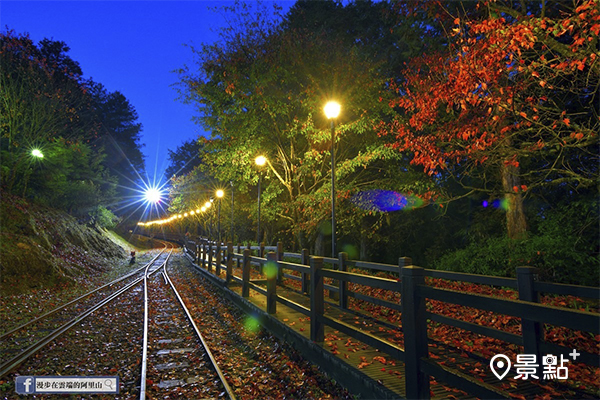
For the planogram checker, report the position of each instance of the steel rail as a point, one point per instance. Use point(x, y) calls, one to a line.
point(14, 362)
point(145, 342)
point(228, 389)
point(5, 334)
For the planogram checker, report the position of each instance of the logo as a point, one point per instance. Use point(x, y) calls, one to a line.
point(527, 366)
point(25, 384)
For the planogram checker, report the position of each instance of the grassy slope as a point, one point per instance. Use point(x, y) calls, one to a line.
point(41, 248)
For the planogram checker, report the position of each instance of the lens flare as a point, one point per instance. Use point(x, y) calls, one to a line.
point(153, 195)
point(251, 324)
point(270, 270)
point(385, 201)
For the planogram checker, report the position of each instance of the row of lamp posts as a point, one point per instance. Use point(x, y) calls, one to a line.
point(332, 111)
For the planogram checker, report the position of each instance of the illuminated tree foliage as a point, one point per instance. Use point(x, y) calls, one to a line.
point(511, 106)
point(261, 91)
point(47, 105)
point(42, 97)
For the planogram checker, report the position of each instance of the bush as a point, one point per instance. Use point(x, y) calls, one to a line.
point(104, 218)
point(564, 249)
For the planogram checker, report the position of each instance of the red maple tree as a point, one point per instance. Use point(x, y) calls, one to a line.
point(512, 95)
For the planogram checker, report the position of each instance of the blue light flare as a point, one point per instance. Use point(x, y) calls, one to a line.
point(385, 201)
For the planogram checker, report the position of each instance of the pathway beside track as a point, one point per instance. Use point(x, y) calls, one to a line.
point(358, 366)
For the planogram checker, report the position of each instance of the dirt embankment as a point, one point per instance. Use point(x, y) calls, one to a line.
point(42, 247)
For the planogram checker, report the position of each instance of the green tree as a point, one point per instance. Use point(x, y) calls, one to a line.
point(118, 136)
point(261, 91)
point(40, 102)
point(184, 159)
point(46, 105)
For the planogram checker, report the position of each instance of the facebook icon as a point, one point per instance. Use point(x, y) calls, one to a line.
point(25, 384)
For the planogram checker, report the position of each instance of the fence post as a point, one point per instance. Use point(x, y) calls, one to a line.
point(403, 262)
point(210, 256)
point(201, 260)
point(246, 273)
point(218, 259)
point(304, 260)
point(237, 260)
point(271, 270)
point(531, 330)
point(261, 250)
point(343, 285)
point(414, 325)
point(317, 300)
point(279, 258)
point(229, 272)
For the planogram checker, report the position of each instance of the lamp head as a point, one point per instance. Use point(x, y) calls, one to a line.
point(260, 161)
point(152, 195)
point(220, 193)
point(332, 109)
point(37, 153)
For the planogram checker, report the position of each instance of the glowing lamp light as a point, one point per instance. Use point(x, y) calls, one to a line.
point(207, 204)
point(198, 211)
point(37, 153)
point(203, 209)
point(185, 214)
point(152, 195)
point(260, 161)
point(332, 109)
point(220, 193)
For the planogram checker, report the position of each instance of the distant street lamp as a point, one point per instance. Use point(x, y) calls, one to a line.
point(152, 195)
point(260, 161)
point(332, 111)
point(37, 153)
point(220, 195)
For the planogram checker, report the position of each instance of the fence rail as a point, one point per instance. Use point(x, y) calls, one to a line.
point(414, 292)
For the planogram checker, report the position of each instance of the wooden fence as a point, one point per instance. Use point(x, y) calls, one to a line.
point(414, 293)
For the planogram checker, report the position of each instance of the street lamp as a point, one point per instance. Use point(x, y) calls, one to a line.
point(220, 194)
point(332, 110)
point(260, 161)
point(37, 153)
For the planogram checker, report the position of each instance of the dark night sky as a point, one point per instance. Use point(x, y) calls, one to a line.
point(131, 47)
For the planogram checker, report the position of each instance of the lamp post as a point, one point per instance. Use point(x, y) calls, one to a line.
point(260, 161)
point(232, 233)
point(332, 110)
point(220, 195)
point(207, 206)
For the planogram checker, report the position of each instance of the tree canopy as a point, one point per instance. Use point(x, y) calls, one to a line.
point(71, 122)
point(473, 115)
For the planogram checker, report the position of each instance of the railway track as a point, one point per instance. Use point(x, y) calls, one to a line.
point(21, 342)
point(176, 357)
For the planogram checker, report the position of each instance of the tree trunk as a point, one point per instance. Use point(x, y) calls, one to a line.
point(364, 225)
point(516, 223)
point(319, 244)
